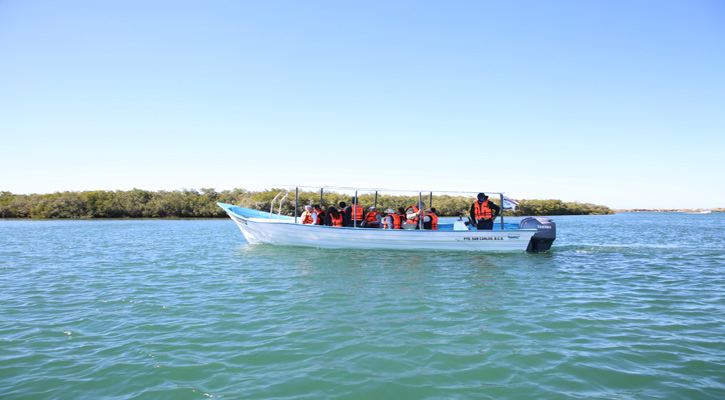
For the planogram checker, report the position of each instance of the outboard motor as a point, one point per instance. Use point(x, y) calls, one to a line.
point(542, 240)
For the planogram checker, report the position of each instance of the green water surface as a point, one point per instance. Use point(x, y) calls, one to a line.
point(627, 306)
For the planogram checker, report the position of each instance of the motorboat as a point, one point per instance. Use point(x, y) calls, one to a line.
point(705, 211)
point(534, 234)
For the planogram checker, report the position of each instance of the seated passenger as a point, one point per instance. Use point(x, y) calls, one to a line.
point(391, 220)
point(334, 218)
point(430, 220)
point(401, 216)
point(412, 215)
point(372, 219)
point(345, 212)
point(309, 217)
point(354, 214)
point(320, 214)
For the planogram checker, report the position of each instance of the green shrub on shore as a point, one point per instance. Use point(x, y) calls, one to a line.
point(189, 203)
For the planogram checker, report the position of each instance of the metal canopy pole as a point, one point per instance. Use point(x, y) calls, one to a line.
point(376, 199)
point(420, 216)
point(296, 192)
point(502, 210)
point(321, 206)
point(354, 211)
point(271, 207)
point(279, 210)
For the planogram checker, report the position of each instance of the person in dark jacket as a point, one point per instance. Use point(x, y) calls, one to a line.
point(354, 213)
point(320, 214)
point(484, 212)
point(345, 211)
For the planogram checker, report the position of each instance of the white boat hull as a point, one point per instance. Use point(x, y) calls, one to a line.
point(287, 233)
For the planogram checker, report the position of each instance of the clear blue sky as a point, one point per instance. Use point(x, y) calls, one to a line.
point(620, 103)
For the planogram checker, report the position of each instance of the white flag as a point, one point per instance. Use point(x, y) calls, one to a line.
point(509, 204)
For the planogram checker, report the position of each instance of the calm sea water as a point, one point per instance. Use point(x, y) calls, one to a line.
point(629, 306)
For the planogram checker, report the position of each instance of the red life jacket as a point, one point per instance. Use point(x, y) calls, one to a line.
point(320, 217)
point(356, 212)
point(414, 220)
point(433, 224)
point(482, 210)
point(336, 221)
point(396, 221)
point(307, 218)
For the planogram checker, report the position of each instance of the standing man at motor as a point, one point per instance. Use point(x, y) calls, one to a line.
point(483, 212)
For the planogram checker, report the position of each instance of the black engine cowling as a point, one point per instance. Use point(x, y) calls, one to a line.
point(545, 235)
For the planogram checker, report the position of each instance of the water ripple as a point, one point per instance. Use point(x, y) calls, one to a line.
point(185, 309)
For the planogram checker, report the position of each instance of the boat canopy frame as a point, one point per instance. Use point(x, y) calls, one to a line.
point(279, 212)
point(376, 190)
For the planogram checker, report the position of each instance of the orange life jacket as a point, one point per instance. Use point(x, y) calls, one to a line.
point(336, 221)
point(433, 222)
point(482, 210)
point(372, 217)
point(307, 218)
point(396, 221)
point(320, 217)
point(356, 212)
point(414, 220)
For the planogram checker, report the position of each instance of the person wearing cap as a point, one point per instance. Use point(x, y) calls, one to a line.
point(430, 220)
point(372, 218)
point(484, 212)
point(392, 219)
point(308, 216)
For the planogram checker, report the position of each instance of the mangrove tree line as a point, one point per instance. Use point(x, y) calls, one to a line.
point(190, 203)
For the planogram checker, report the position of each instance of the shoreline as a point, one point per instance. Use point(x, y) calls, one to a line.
point(677, 210)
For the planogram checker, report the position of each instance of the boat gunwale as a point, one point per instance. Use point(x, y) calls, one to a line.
point(364, 230)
